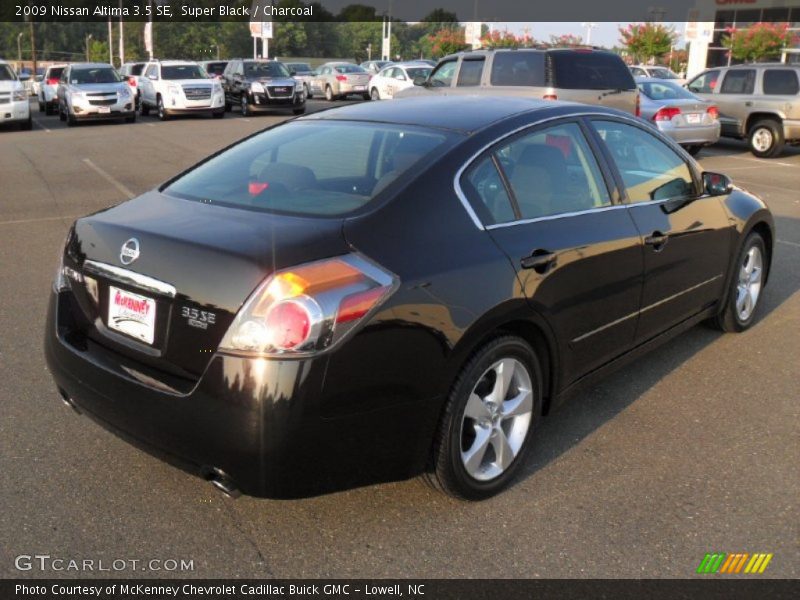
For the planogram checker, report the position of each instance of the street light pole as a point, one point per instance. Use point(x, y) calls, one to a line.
point(88, 39)
point(589, 27)
point(19, 49)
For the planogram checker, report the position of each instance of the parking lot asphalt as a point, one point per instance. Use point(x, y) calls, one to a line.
point(691, 449)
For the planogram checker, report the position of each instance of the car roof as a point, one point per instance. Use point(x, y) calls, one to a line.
point(175, 62)
point(90, 65)
point(465, 114)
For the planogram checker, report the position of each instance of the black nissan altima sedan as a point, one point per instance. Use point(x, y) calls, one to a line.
point(394, 288)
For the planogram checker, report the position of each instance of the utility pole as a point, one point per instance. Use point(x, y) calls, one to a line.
point(110, 43)
point(589, 27)
point(121, 37)
point(88, 39)
point(33, 49)
point(19, 50)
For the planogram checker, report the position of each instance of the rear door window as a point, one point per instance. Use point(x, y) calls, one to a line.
point(705, 82)
point(590, 70)
point(781, 82)
point(739, 81)
point(470, 72)
point(518, 68)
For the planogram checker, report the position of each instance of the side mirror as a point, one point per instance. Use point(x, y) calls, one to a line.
point(717, 184)
point(421, 81)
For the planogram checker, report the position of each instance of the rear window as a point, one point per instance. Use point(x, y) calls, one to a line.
point(95, 75)
point(183, 72)
point(54, 72)
point(137, 69)
point(665, 90)
point(518, 68)
point(577, 70)
point(215, 68)
point(265, 69)
point(350, 69)
point(299, 168)
point(780, 82)
point(739, 82)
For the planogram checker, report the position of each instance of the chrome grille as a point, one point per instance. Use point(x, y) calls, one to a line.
point(197, 93)
point(102, 101)
point(280, 91)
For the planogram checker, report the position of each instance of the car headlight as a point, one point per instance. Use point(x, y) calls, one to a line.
point(257, 87)
point(19, 95)
point(216, 87)
point(174, 89)
point(77, 97)
point(124, 92)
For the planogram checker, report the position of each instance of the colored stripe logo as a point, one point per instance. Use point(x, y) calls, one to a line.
point(738, 562)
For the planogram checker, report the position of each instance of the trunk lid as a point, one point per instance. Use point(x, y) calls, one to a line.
point(212, 256)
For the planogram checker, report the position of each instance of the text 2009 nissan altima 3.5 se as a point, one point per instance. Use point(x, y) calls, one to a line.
point(286, 318)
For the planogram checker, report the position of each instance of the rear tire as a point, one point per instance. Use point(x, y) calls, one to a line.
point(746, 287)
point(329, 94)
point(375, 94)
point(309, 95)
point(61, 115)
point(144, 108)
point(43, 107)
point(765, 138)
point(694, 149)
point(365, 96)
point(485, 420)
point(71, 120)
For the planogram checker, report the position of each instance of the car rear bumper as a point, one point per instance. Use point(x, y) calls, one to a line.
point(348, 88)
point(261, 422)
point(700, 134)
point(15, 111)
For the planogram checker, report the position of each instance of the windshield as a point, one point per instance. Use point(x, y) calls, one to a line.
point(662, 73)
point(94, 75)
point(6, 74)
point(665, 90)
point(183, 72)
point(216, 68)
point(299, 168)
point(265, 69)
point(414, 72)
point(137, 69)
point(349, 69)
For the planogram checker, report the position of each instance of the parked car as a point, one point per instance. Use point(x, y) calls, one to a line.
point(47, 97)
point(656, 72)
point(396, 77)
point(14, 106)
point(577, 74)
point(36, 85)
point(180, 87)
point(676, 112)
point(260, 85)
point(373, 67)
point(286, 318)
point(215, 68)
point(93, 91)
point(337, 80)
point(757, 102)
point(133, 72)
point(303, 73)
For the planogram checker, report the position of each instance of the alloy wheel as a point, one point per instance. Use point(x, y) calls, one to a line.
point(245, 106)
point(496, 419)
point(762, 139)
point(748, 288)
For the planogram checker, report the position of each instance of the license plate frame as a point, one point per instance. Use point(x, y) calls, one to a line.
point(360, 88)
point(131, 314)
point(104, 110)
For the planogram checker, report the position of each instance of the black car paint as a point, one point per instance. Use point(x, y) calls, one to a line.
point(236, 86)
point(366, 412)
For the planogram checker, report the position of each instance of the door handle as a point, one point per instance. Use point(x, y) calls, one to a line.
point(539, 260)
point(657, 240)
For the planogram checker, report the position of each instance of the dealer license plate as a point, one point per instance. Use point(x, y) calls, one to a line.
point(693, 118)
point(359, 87)
point(132, 314)
point(103, 110)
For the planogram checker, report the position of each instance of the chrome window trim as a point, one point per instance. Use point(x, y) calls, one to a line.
point(129, 277)
point(471, 211)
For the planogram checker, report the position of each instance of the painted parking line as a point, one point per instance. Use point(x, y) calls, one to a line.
point(762, 162)
point(765, 185)
point(109, 178)
point(39, 124)
point(788, 243)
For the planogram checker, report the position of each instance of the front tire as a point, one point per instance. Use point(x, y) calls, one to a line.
point(694, 149)
point(61, 114)
point(746, 287)
point(161, 110)
point(488, 420)
point(765, 138)
point(144, 108)
point(245, 106)
point(375, 94)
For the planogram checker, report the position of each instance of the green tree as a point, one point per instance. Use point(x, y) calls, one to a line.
point(758, 42)
point(647, 40)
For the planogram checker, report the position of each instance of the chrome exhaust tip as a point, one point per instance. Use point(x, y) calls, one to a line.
point(220, 480)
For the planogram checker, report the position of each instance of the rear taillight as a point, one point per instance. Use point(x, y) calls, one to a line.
point(638, 108)
point(713, 112)
point(132, 80)
point(52, 81)
point(341, 78)
point(308, 308)
point(550, 97)
point(666, 113)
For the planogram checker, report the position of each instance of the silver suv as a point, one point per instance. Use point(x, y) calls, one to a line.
point(93, 91)
point(577, 74)
point(758, 102)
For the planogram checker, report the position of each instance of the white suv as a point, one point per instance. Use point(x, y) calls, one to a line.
point(48, 89)
point(14, 107)
point(179, 87)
